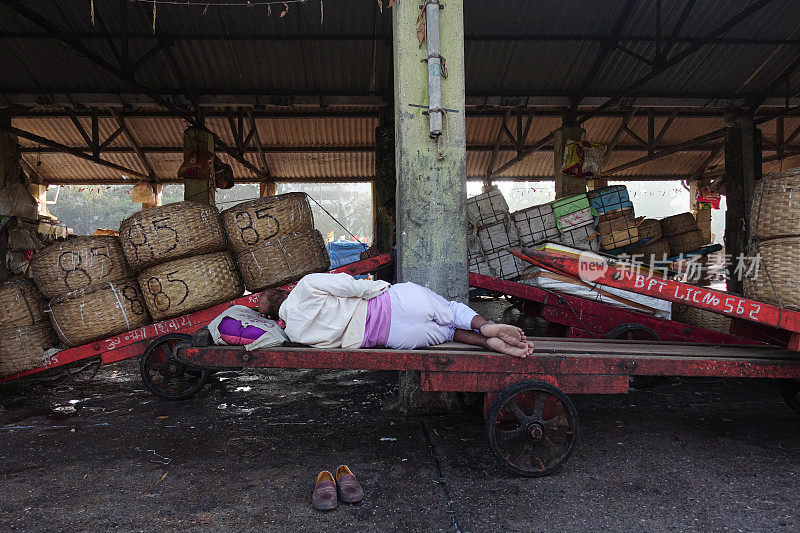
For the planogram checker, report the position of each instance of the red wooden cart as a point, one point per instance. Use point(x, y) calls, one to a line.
point(133, 343)
point(531, 424)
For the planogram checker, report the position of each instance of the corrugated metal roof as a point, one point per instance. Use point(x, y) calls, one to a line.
point(301, 66)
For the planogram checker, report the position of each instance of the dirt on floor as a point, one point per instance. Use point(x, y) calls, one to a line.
point(682, 455)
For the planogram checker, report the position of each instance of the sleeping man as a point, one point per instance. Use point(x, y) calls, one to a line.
point(338, 311)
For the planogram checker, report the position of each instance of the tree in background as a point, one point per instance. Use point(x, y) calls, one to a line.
point(86, 208)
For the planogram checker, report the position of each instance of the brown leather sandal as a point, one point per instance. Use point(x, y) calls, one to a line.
point(347, 485)
point(324, 497)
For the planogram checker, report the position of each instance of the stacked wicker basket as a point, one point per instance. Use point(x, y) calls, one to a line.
point(24, 329)
point(91, 291)
point(775, 234)
point(179, 252)
point(682, 233)
point(274, 240)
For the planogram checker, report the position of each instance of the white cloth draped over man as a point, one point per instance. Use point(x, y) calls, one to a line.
point(338, 311)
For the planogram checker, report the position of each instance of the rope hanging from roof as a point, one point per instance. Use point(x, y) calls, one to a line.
point(205, 4)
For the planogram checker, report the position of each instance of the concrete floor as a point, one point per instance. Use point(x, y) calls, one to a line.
point(722, 455)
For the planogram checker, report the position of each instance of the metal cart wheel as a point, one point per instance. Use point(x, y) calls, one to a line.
point(633, 332)
point(532, 427)
point(790, 389)
point(164, 375)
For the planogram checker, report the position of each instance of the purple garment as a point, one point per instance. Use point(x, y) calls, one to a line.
point(233, 333)
point(379, 318)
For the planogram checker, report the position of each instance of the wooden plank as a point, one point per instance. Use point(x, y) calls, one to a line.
point(585, 358)
point(481, 382)
point(700, 297)
point(600, 318)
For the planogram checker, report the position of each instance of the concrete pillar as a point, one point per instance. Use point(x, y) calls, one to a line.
point(39, 192)
point(566, 185)
point(198, 190)
point(431, 174)
point(384, 188)
point(10, 170)
point(267, 188)
point(742, 169)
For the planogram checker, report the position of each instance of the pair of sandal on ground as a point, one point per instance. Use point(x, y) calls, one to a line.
point(329, 490)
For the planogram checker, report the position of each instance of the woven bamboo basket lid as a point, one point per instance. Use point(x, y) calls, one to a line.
point(21, 304)
point(23, 348)
point(189, 284)
point(650, 228)
point(256, 221)
point(169, 232)
point(78, 262)
point(686, 242)
point(777, 281)
point(653, 251)
point(702, 318)
point(283, 260)
point(98, 311)
point(678, 224)
point(776, 206)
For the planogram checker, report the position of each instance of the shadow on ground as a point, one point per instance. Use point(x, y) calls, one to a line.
point(681, 455)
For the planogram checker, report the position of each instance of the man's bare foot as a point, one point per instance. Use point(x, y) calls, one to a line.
point(511, 335)
point(498, 345)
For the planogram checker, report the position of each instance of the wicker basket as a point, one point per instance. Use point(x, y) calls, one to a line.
point(185, 285)
point(776, 206)
point(22, 305)
point(702, 318)
point(650, 228)
point(171, 232)
point(653, 251)
point(617, 232)
point(23, 348)
point(780, 258)
point(678, 224)
point(98, 311)
point(686, 242)
point(76, 263)
point(250, 223)
point(283, 260)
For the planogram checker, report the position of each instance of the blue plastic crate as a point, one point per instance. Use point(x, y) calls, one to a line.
point(610, 198)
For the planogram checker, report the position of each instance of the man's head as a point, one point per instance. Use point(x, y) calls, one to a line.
point(269, 303)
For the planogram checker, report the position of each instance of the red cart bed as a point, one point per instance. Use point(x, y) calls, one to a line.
point(133, 343)
point(531, 424)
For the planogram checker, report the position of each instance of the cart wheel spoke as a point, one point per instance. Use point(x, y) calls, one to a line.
point(538, 408)
point(517, 411)
point(531, 445)
point(506, 436)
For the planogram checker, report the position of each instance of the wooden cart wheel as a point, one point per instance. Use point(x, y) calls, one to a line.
point(532, 427)
point(164, 375)
point(790, 389)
